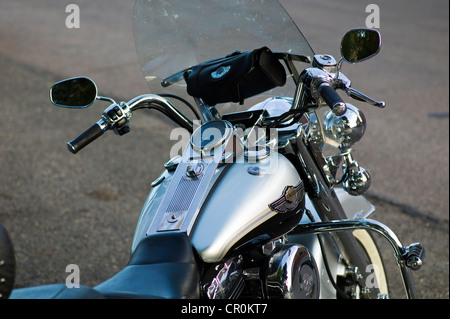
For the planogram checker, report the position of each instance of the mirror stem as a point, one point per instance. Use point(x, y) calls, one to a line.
point(104, 98)
point(338, 68)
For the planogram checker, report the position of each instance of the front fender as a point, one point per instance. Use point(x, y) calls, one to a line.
point(354, 206)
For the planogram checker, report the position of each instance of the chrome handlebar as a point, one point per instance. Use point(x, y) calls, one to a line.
point(319, 82)
point(116, 117)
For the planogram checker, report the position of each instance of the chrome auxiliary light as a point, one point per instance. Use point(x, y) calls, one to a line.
point(347, 129)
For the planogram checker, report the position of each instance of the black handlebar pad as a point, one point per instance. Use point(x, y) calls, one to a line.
point(85, 138)
point(334, 101)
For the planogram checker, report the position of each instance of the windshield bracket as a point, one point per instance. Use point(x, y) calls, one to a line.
point(209, 113)
point(174, 78)
point(289, 59)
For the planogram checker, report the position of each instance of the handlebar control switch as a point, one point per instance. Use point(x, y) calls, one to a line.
point(117, 116)
point(322, 87)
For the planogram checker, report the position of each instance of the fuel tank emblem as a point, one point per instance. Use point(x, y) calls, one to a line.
point(291, 201)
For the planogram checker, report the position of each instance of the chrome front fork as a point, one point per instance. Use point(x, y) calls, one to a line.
point(407, 257)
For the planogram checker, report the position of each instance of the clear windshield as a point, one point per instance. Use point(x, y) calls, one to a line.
point(172, 35)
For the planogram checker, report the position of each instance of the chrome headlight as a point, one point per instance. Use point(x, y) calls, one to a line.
point(346, 129)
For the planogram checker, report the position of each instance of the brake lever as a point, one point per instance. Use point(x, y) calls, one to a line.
point(362, 97)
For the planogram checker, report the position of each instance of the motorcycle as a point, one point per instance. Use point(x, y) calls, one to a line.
point(266, 200)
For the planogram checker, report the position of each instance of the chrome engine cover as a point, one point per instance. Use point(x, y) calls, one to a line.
point(228, 281)
point(292, 274)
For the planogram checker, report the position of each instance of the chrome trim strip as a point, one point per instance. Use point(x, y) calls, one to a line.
point(182, 202)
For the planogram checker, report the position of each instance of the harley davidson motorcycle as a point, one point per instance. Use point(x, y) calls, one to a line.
point(265, 200)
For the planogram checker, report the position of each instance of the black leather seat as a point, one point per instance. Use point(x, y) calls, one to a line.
point(55, 291)
point(162, 266)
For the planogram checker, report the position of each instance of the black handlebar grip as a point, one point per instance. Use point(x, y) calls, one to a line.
point(334, 101)
point(88, 136)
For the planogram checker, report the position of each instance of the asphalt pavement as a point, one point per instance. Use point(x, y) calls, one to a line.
point(62, 209)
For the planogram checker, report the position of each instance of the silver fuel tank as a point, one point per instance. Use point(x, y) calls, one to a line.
point(234, 204)
point(240, 204)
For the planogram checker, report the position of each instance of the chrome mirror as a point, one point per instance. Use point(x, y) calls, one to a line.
point(360, 44)
point(75, 93)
